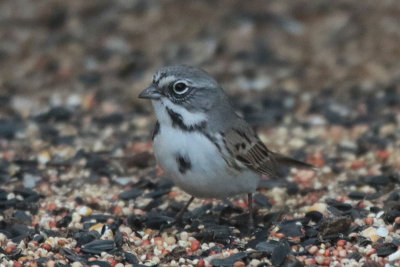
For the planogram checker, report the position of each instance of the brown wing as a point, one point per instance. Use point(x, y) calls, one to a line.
point(245, 146)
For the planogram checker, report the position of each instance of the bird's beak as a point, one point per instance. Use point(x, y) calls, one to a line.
point(150, 93)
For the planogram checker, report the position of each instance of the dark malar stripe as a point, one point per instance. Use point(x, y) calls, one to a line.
point(177, 121)
point(156, 130)
point(209, 137)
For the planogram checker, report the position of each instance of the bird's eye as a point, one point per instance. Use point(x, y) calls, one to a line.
point(180, 88)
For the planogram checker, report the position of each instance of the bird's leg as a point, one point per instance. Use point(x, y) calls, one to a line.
point(250, 206)
point(182, 211)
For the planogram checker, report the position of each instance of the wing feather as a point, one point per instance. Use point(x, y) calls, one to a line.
point(247, 148)
point(243, 145)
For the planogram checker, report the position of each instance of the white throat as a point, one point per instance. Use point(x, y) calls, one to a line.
point(188, 118)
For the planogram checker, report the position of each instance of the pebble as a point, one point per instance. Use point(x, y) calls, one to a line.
point(394, 256)
point(3, 237)
point(194, 245)
point(320, 259)
point(313, 250)
point(184, 236)
point(320, 207)
point(342, 253)
point(382, 231)
point(125, 229)
point(309, 261)
point(254, 262)
point(369, 221)
point(239, 264)
point(370, 233)
point(85, 211)
point(170, 240)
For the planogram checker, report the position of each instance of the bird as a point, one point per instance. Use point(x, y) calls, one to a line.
point(201, 143)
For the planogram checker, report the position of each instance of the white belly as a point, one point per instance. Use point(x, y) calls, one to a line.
point(208, 176)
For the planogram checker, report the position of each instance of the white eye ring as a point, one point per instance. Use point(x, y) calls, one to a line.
point(180, 87)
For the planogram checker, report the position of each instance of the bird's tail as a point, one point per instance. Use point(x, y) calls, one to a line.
point(290, 162)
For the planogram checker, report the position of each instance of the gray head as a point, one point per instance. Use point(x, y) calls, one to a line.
point(187, 86)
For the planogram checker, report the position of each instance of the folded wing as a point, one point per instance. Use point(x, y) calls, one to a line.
point(243, 144)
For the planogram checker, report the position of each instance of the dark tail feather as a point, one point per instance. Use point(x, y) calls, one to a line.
point(290, 162)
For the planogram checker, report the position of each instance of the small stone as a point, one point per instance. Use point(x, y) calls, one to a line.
point(369, 221)
point(370, 233)
point(184, 236)
point(125, 229)
point(382, 231)
point(3, 237)
point(194, 245)
point(394, 256)
point(309, 261)
point(254, 262)
point(313, 250)
point(10, 248)
point(200, 263)
point(239, 264)
point(85, 211)
point(170, 240)
point(46, 246)
point(97, 227)
point(44, 157)
point(320, 207)
point(320, 259)
point(371, 251)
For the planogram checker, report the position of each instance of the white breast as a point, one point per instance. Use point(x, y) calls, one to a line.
point(209, 175)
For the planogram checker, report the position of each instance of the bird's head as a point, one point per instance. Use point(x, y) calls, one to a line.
point(189, 87)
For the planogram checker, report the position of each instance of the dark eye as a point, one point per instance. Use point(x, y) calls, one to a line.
point(180, 87)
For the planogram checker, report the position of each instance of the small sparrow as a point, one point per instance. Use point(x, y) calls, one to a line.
point(201, 143)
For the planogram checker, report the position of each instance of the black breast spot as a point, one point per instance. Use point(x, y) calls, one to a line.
point(184, 163)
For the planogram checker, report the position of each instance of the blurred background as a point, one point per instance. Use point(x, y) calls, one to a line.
point(59, 51)
point(319, 79)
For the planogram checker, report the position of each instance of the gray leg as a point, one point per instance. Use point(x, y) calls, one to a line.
point(250, 205)
point(182, 211)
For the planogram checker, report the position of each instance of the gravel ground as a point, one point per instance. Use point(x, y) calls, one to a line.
point(319, 80)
